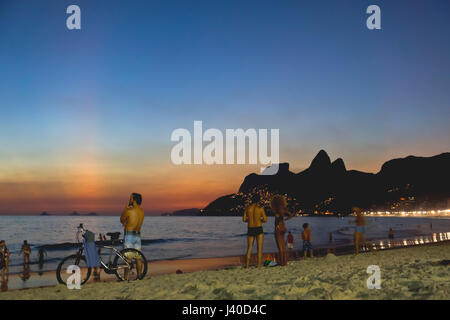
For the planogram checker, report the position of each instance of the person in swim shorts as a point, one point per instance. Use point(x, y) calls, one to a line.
point(255, 216)
point(306, 237)
point(360, 222)
point(132, 219)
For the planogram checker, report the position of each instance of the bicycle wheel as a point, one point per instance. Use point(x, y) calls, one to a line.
point(76, 260)
point(126, 268)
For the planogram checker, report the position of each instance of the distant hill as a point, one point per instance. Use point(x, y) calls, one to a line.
point(187, 212)
point(410, 182)
point(74, 214)
point(92, 214)
point(44, 213)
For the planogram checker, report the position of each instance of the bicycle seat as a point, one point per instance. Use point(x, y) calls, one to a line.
point(113, 235)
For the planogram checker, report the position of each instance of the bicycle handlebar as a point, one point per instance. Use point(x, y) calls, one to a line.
point(80, 229)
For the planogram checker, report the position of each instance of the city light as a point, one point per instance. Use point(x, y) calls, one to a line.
point(421, 213)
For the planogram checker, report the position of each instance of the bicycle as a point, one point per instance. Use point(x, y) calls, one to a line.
point(124, 265)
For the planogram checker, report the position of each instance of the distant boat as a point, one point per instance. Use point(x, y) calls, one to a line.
point(44, 213)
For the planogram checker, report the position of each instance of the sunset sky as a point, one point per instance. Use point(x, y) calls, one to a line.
point(87, 115)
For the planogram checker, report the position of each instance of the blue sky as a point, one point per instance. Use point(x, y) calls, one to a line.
point(115, 90)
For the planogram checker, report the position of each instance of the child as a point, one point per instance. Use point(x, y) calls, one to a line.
point(306, 236)
point(290, 241)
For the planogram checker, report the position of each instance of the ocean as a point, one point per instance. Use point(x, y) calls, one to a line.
point(196, 237)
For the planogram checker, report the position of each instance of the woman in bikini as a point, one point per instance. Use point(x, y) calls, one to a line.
point(278, 205)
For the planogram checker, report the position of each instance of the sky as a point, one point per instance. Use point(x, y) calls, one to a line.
point(86, 115)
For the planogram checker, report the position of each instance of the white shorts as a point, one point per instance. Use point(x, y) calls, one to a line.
point(290, 246)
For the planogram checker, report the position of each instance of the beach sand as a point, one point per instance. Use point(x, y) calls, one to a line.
point(410, 273)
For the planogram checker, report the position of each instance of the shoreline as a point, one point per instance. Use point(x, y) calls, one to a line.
point(47, 279)
point(406, 273)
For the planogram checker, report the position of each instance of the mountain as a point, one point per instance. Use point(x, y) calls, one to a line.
point(405, 183)
point(187, 212)
point(44, 213)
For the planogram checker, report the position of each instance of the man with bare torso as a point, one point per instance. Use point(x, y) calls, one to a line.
point(360, 222)
point(132, 219)
point(255, 216)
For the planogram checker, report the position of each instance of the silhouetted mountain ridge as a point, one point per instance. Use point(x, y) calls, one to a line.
point(418, 179)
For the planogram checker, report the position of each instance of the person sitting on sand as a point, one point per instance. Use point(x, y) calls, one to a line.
point(278, 205)
point(306, 237)
point(132, 219)
point(4, 256)
point(255, 216)
point(26, 249)
point(360, 222)
point(290, 241)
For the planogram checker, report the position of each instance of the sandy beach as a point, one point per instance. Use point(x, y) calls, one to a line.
point(410, 273)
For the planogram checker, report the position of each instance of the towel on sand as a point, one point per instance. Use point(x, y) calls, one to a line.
point(90, 250)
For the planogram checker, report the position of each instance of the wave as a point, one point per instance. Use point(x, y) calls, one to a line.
point(74, 245)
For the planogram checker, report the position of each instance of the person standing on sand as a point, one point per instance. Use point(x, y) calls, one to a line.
point(42, 253)
point(290, 241)
point(279, 205)
point(360, 222)
point(26, 249)
point(255, 216)
point(132, 219)
point(306, 237)
point(4, 256)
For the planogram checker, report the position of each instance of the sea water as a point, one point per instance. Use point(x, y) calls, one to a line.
point(195, 237)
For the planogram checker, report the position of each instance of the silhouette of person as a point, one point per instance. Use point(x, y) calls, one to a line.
point(26, 249)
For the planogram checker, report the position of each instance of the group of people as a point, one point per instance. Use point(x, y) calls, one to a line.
point(5, 255)
point(255, 216)
point(132, 218)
